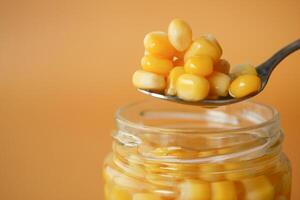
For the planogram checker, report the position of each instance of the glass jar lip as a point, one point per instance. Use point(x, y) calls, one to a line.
point(122, 120)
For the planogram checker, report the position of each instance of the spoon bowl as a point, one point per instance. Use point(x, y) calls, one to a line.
point(264, 71)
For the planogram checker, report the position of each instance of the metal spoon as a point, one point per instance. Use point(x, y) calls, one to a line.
point(264, 71)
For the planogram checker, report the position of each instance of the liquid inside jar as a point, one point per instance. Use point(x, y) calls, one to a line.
point(164, 151)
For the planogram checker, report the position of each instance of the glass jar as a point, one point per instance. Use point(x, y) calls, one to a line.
point(166, 151)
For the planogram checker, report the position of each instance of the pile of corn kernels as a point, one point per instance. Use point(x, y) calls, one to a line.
point(192, 70)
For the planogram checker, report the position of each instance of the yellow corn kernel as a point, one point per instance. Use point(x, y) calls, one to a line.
point(194, 190)
point(190, 87)
point(199, 65)
point(145, 196)
point(213, 39)
point(244, 85)
point(156, 65)
point(209, 172)
point(219, 84)
point(243, 69)
point(236, 172)
point(175, 151)
point(178, 62)
point(147, 80)
point(258, 188)
point(180, 34)
point(204, 46)
point(223, 190)
point(119, 193)
point(172, 78)
point(128, 182)
point(222, 66)
point(157, 43)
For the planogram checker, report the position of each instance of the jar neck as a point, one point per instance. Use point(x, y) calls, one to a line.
point(245, 133)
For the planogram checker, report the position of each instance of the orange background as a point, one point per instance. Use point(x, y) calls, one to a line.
point(65, 67)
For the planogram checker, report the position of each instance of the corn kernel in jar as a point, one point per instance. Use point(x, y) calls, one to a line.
point(145, 196)
point(236, 171)
point(203, 46)
point(147, 80)
point(244, 85)
point(172, 79)
point(156, 65)
point(175, 151)
point(258, 188)
point(190, 87)
point(157, 43)
point(125, 180)
point(210, 172)
point(222, 66)
point(223, 190)
point(119, 193)
point(219, 84)
point(194, 190)
point(180, 34)
point(243, 69)
point(199, 65)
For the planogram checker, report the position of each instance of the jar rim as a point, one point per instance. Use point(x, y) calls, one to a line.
point(120, 119)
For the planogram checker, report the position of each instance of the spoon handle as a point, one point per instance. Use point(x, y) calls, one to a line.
point(268, 66)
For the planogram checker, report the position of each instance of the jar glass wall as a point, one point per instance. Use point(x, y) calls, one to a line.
point(166, 151)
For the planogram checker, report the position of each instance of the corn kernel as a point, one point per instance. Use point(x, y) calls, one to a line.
point(236, 172)
point(128, 182)
point(175, 151)
point(244, 85)
point(156, 65)
point(222, 66)
point(223, 190)
point(204, 46)
point(119, 193)
point(199, 65)
point(191, 87)
point(213, 39)
point(209, 172)
point(194, 190)
point(219, 84)
point(157, 43)
point(180, 34)
point(243, 69)
point(172, 78)
point(145, 196)
point(258, 188)
point(147, 80)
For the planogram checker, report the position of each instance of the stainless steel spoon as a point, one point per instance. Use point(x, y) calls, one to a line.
point(264, 71)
